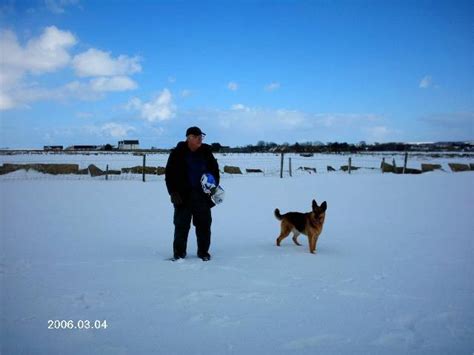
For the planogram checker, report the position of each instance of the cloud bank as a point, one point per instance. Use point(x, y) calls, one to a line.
point(22, 66)
point(241, 124)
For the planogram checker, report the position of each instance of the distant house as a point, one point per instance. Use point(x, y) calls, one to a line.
point(128, 145)
point(53, 147)
point(107, 147)
point(82, 147)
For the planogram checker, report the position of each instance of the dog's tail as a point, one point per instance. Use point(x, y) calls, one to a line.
point(277, 214)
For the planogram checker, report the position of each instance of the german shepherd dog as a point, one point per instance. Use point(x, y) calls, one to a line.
point(309, 224)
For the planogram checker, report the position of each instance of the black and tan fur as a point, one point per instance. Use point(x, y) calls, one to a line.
point(309, 224)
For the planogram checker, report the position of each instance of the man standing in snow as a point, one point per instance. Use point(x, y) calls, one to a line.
point(186, 165)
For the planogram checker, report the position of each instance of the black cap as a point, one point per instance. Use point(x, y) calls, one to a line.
point(196, 131)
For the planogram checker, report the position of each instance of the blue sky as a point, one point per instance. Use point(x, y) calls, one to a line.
point(96, 72)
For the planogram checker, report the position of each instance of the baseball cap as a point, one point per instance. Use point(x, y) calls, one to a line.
point(196, 131)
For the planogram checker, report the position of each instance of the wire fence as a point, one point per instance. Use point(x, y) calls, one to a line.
point(129, 166)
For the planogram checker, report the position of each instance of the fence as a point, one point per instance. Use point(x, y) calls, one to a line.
point(139, 167)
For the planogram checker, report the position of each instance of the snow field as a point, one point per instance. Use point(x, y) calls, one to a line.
point(393, 272)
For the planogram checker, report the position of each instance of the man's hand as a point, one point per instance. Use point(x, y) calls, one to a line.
point(176, 198)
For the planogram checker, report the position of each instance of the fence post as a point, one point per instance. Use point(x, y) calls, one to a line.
point(394, 165)
point(107, 172)
point(144, 164)
point(290, 168)
point(350, 165)
point(383, 163)
point(405, 164)
point(281, 165)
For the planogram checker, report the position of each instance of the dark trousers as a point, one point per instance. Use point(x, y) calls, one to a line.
point(197, 208)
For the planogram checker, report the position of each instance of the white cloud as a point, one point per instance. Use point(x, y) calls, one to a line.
point(84, 115)
point(239, 107)
point(186, 93)
point(84, 133)
point(95, 89)
point(282, 118)
point(45, 53)
point(272, 87)
point(160, 108)
point(116, 83)
point(450, 120)
point(92, 90)
point(344, 119)
point(157, 131)
point(48, 53)
point(6, 102)
point(22, 94)
point(110, 129)
point(58, 6)
point(80, 90)
point(378, 133)
point(232, 86)
point(292, 118)
point(116, 130)
point(25, 94)
point(241, 124)
point(134, 104)
point(426, 82)
point(240, 116)
point(455, 125)
point(95, 62)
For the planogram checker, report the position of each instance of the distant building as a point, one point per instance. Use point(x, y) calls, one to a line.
point(128, 145)
point(53, 147)
point(82, 147)
point(107, 147)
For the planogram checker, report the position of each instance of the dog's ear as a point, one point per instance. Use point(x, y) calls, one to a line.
point(315, 205)
point(324, 206)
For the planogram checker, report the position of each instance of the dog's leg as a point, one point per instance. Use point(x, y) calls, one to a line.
point(312, 243)
point(316, 237)
point(295, 237)
point(285, 231)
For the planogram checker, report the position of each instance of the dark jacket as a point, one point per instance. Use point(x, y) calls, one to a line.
point(176, 174)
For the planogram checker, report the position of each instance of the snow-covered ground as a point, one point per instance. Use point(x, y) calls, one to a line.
point(393, 273)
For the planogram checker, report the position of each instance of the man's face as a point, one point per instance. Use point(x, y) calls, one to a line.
point(194, 142)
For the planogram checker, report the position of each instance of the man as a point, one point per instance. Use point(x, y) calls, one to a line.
point(186, 165)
